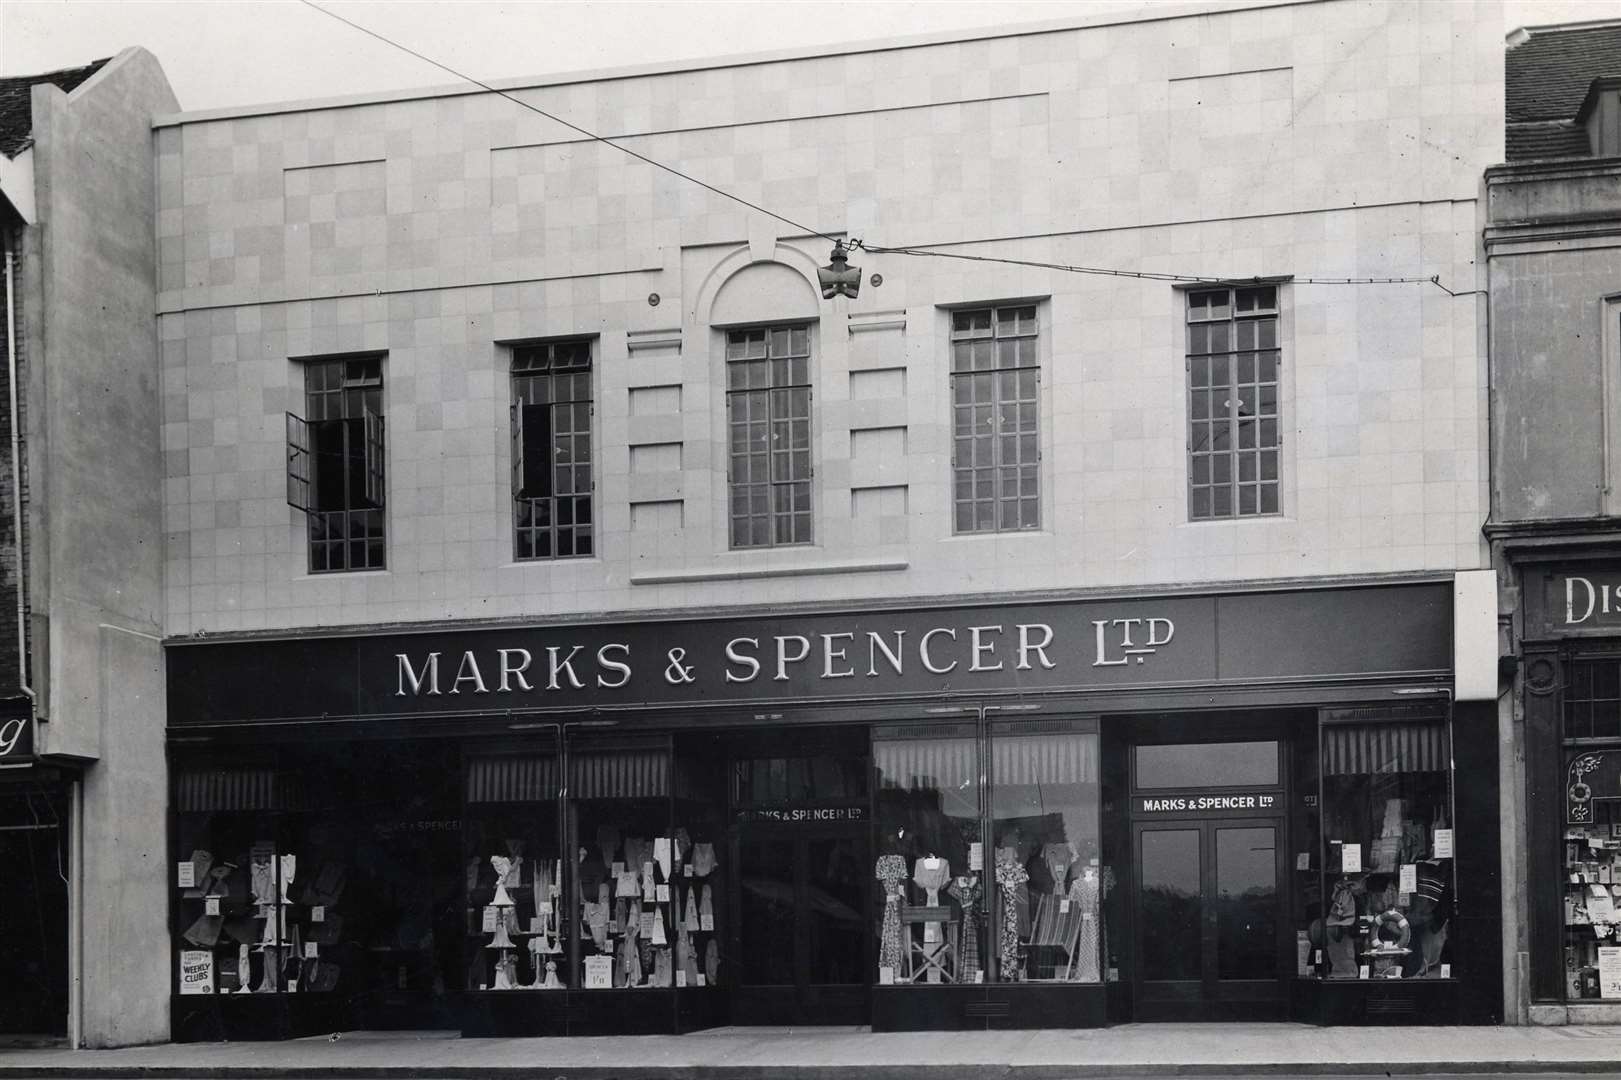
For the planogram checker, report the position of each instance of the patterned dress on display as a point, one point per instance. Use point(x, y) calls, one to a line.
point(1010, 878)
point(967, 891)
point(891, 870)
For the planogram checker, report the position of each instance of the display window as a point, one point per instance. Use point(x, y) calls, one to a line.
point(1591, 864)
point(1047, 884)
point(321, 873)
point(517, 925)
point(1385, 902)
point(929, 870)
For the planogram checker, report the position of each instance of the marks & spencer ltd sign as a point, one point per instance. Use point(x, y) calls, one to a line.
point(746, 660)
point(1172, 803)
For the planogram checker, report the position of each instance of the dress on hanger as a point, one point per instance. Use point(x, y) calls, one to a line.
point(891, 870)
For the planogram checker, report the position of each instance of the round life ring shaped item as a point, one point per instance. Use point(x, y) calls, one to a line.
point(1395, 923)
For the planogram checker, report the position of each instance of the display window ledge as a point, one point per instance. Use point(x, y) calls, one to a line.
point(1579, 1013)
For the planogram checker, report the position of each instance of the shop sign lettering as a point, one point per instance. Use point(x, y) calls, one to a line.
point(959, 651)
point(802, 815)
point(16, 739)
point(1591, 600)
point(1194, 804)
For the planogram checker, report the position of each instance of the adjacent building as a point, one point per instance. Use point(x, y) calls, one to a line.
point(83, 791)
point(576, 621)
point(1554, 226)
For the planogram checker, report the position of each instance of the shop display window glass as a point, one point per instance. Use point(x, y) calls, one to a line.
point(1387, 855)
point(516, 923)
point(626, 870)
point(1046, 921)
point(930, 860)
point(1591, 904)
point(699, 900)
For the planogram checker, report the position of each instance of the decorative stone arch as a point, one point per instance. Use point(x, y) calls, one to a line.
point(741, 290)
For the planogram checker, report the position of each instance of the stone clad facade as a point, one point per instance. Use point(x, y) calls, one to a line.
point(1333, 140)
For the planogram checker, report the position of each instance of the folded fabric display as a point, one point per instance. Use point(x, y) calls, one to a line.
point(205, 932)
point(703, 859)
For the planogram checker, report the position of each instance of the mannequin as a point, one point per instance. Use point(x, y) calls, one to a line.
point(1085, 893)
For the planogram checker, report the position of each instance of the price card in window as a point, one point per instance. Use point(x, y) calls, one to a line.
point(211, 905)
point(1409, 878)
point(545, 907)
point(706, 923)
point(1609, 971)
point(976, 856)
point(489, 920)
point(663, 894)
point(1446, 971)
point(979, 976)
point(1063, 906)
point(1303, 861)
point(1443, 843)
point(312, 951)
point(599, 972)
point(886, 975)
point(701, 980)
point(318, 913)
point(1351, 860)
point(1362, 971)
point(681, 978)
point(186, 875)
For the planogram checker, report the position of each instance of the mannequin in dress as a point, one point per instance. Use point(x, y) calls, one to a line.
point(931, 874)
point(891, 871)
point(1085, 895)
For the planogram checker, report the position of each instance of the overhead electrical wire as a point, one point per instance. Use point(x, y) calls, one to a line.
point(875, 249)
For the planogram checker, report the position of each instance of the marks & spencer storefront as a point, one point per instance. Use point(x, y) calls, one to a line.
point(1058, 813)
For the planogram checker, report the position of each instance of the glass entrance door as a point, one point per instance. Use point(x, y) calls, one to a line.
point(802, 925)
point(1208, 919)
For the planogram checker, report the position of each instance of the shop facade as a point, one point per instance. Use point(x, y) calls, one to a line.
point(1056, 813)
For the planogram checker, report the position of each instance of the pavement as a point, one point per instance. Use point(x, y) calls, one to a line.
point(736, 1053)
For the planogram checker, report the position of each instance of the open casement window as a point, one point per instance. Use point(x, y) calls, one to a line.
point(372, 458)
point(335, 463)
point(552, 467)
point(298, 464)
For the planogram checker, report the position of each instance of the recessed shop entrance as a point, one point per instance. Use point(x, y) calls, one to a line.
point(802, 847)
point(1209, 882)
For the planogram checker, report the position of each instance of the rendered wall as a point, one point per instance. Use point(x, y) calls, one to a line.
point(95, 522)
point(1331, 139)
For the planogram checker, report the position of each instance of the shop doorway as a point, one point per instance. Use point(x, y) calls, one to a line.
point(33, 914)
point(802, 924)
point(1209, 919)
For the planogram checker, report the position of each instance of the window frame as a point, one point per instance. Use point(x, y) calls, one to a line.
point(774, 514)
point(1235, 482)
point(998, 500)
point(360, 405)
point(554, 528)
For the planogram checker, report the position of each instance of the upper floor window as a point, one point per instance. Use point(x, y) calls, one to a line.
point(1234, 433)
point(551, 451)
point(996, 406)
point(768, 414)
point(335, 459)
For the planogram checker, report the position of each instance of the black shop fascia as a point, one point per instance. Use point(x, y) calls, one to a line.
point(899, 783)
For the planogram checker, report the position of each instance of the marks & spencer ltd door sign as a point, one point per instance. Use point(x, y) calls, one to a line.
point(1176, 803)
point(1106, 644)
